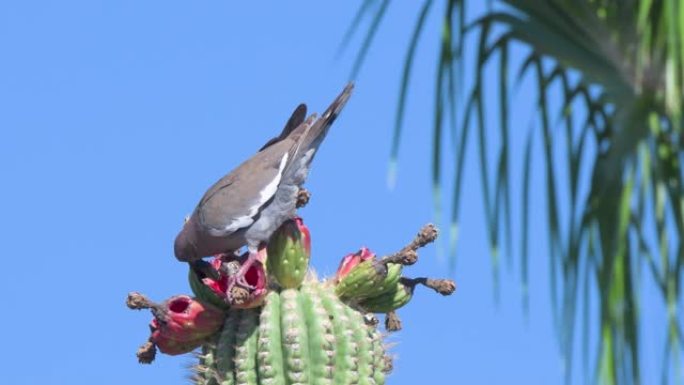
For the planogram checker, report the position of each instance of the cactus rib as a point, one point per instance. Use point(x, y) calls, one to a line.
point(294, 338)
point(225, 362)
point(269, 354)
point(246, 348)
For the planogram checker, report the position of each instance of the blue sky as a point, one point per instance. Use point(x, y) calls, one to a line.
point(116, 116)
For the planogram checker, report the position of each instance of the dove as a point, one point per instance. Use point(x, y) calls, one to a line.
point(247, 205)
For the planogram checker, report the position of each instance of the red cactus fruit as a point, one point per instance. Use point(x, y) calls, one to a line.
point(241, 297)
point(169, 345)
point(183, 318)
point(218, 287)
point(225, 290)
point(180, 324)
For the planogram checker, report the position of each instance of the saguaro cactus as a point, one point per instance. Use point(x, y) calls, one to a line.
point(290, 329)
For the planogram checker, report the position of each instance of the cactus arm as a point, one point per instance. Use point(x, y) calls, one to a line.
point(269, 354)
point(245, 352)
point(294, 338)
point(226, 348)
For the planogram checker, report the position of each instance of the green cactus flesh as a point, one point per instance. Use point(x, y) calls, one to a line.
point(299, 336)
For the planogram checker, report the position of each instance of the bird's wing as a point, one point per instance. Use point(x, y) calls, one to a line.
point(296, 119)
point(232, 203)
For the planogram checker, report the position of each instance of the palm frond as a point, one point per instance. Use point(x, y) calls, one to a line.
point(619, 204)
point(403, 91)
point(370, 35)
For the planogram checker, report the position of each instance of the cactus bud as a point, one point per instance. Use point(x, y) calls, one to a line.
point(352, 260)
point(390, 300)
point(402, 293)
point(289, 250)
point(361, 275)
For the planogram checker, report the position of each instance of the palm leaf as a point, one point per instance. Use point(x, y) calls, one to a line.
point(620, 68)
point(372, 30)
point(405, 78)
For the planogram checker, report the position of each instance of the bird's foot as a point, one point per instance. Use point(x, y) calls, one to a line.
point(303, 196)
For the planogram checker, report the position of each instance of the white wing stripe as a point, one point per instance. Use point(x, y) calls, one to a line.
point(264, 195)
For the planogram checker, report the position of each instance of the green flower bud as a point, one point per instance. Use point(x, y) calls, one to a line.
point(366, 276)
point(396, 297)
point(289, 250)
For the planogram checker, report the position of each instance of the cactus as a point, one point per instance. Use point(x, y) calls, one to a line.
point(290, 329)
point(299, 336)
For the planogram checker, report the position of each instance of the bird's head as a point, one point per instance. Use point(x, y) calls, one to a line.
point(185, 247)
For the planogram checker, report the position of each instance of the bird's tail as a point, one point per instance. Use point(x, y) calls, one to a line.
point(313, 137)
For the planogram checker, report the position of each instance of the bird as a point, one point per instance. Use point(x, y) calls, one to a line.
point(247, 205)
